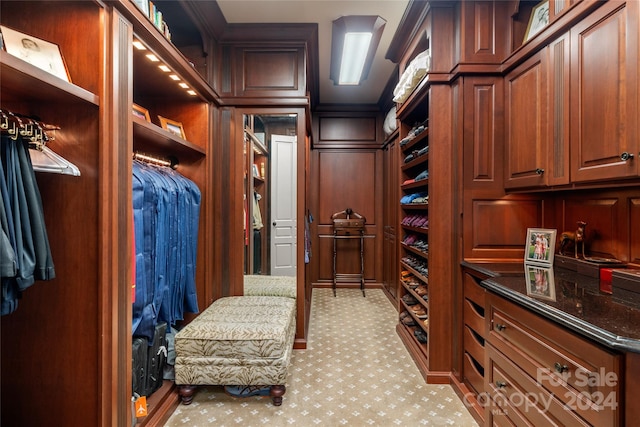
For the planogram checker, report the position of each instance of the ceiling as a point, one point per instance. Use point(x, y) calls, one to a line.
point(324, 12)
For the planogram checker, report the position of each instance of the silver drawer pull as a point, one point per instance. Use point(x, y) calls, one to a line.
point(500, 327)
point(501, 384)
point(560, 368)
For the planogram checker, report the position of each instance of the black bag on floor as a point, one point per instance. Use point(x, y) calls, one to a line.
point(157, 357)
point(139, 365)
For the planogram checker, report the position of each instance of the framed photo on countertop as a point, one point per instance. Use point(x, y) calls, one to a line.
point(539, 248)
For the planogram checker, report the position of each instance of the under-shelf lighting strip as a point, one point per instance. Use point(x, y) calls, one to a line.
point(165, 68)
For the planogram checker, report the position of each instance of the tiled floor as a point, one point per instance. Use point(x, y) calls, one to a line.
point(355, 372)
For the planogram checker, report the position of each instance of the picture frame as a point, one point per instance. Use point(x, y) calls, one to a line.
point(538, 20)
point(141, 113)
point(256, 172)
point(172, 126)
point(143, 5)
point(540, 282)
point(540, 245)
point(38, 52)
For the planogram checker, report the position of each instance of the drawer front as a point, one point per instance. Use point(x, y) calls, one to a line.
point(474, 317)
point(474, 345)
point(499, 416)
point(473, 291)
point(472, 374)
point(582, 375)
point(507, 383)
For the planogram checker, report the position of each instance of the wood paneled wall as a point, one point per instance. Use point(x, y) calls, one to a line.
point(346, 175)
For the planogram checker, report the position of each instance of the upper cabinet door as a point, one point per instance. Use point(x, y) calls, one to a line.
point(604, 74)
point(526, 123)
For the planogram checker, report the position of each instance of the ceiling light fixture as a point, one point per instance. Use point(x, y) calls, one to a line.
point(354, 40)
point(164, 68)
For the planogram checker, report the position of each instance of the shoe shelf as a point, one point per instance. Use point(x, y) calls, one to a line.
point(418, 311)
point(416, 162)
point(415, 251)
point(415, 272)
point(417, 184)
point(415, 206)
point(418, 141)
point(414, 185)
point(421, 230)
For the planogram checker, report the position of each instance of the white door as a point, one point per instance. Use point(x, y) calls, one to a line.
point(283, 205)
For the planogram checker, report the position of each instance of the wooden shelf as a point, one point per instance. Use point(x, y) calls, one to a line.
point(415, 206)
point(25, 82)
point(416, 184)
point(151, 138)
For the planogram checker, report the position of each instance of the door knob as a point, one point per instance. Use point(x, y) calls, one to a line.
point(273, 223)
point(626, 156)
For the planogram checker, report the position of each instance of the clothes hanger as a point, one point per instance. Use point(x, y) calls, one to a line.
point(43, 159)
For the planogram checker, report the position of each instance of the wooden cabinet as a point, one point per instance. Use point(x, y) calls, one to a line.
point(571, 116)
point(83, 316)
point(539, 372)
point(414, 228)
point(526, 95)
point(390, 274)
point(427, 146)
point(604, 102)
point(474, 335)
point(52, 345)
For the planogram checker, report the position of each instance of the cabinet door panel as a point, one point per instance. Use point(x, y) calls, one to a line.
point(526, 118)
point(604, 93)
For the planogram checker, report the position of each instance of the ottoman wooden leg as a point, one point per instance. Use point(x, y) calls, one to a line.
point(276, 392)
point(186, 393)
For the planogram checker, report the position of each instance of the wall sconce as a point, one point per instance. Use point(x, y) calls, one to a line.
point(354, 40)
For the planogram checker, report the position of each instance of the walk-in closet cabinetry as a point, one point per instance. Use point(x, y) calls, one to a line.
point(414, 224)
point(391, 168)
point(561, 373)
point(67, 348)
point(53, 344)
point(555, 128)
point(425, 209)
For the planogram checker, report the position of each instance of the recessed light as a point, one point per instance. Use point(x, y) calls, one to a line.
point(138, 45)
point(164, 68)
point(183, 85)
point(152, 57)
point(191, 92)
point(174, 77)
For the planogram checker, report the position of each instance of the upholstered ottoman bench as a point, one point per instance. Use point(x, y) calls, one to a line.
point(276, 286)
point(242, 340)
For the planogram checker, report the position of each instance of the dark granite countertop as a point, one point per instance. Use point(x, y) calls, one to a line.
point(570, 299)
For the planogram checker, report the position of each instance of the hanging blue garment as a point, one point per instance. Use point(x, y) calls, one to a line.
point(166, 209)
point(24, 235)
